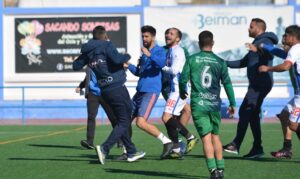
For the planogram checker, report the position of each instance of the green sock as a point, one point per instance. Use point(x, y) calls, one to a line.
point(211, 163)
point(220, 164)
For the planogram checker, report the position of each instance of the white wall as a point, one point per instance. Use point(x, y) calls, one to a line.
point(297, 18)
point(78, 3)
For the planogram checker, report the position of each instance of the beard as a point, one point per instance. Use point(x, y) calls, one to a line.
point(146, 44)
point(169, 42)
point(252, 34)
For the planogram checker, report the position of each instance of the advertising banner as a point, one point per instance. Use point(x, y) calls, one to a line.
point(46, 45)
point(228, 24)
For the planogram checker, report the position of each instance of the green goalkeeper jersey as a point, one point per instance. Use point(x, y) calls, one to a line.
point(206, 71)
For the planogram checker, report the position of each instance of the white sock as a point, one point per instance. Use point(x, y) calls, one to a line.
point(124, 150)
point(191, 137)
point(177, 150)
point(163, 138)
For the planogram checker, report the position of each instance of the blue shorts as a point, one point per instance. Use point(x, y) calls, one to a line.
point(143, 104)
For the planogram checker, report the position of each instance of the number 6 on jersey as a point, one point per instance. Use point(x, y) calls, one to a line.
point(206, 77)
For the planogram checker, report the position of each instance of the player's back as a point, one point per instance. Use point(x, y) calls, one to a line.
point(207, 71)
point(293, 56)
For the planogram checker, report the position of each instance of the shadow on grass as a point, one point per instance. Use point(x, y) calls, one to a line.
point(237, 157)
point(271, 159)
point(55, 146)
point(263, 159)
point(48, 159)
point(153, 173)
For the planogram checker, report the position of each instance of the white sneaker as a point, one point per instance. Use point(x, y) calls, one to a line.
point(136, 156)
point(101, 155)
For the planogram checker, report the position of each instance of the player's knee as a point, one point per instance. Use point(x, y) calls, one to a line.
point(140, 122)
point(206, 138)
point(187, 109)
point(293, 126)
point(91, 117)
point(284, 121)
point(165, 118)
point(215, 138)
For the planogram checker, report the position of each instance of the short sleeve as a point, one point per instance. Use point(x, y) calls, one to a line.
point(294, 54)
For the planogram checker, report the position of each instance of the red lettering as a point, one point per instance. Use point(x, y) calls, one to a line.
point(295, 111)
point(171, 103)
point(62, 27)
point(109, 26)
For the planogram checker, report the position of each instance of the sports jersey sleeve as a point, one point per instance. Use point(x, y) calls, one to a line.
point(133, 69)
point(227, 85)
point(184, 78)
point(293, 54)
point(275, 50)
point(178, 62)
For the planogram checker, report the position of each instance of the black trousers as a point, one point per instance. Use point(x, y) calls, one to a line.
point(93, 103)
point(250, 113)
point(119, 101)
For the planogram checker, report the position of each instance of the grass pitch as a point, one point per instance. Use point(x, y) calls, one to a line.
point(55, 152)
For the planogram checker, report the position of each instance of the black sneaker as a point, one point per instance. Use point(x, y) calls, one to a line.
point(122, 157)
point(214, 174)
point(255, 153)
point(221, 173)
point(167, 150)
point(282, 153)
point(231, 148)
point(85, 144)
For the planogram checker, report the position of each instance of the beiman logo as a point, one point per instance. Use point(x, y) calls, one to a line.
point(218, 20)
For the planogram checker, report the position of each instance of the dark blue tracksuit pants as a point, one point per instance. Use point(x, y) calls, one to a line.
point(120, 102)
point(249, 113)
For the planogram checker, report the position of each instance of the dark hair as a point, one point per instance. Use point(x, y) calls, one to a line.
point(206, 38)
point(167, 31)
point(99, 33)
point(293, 30)
point(150, 29)
point(261, 23)
point(179, 33)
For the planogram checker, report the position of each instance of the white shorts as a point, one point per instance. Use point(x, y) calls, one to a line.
point(174, 104)
point(293, 107)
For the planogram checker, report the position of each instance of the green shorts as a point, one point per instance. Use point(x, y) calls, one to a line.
point(207, 122)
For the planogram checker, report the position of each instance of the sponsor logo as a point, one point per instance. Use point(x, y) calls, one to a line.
point(201, 103)
point(208, 96)
point(220, 20)
point(105, 81)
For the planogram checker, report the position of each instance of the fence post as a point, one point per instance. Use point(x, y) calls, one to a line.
point(102, 115)
point(23, 105)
